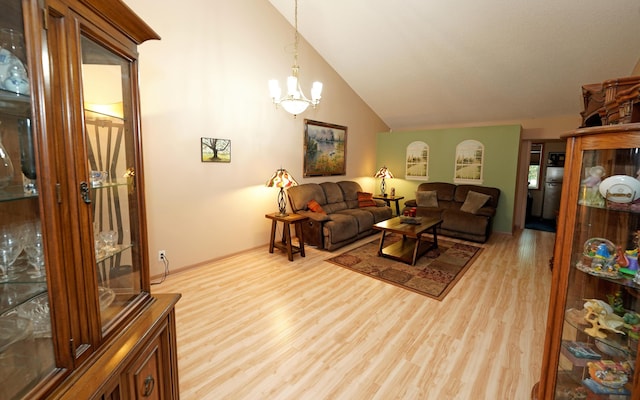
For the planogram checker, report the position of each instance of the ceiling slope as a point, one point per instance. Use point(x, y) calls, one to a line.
point(421, 63)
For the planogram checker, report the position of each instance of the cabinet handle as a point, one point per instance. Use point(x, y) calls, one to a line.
point(149, 384)
point(84, 192)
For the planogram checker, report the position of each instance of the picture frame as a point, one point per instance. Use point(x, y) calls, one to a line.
point(325, 149)
point(215, 150)
point(417, 161)
point(469, 163)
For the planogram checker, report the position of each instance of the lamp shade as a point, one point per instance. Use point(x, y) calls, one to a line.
point(281, 179)
point(383, 173)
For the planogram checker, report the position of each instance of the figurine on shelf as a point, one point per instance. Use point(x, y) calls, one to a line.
point(600, 315)
point(621, 258)
point(632, 259)
point(615, 301)
point(602, 251)
point(595, 177)
point(590, 187)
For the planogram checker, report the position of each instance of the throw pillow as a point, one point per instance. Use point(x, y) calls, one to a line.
point(474, 202)
point(366, 199)
point(315, 207)
point(427, 198)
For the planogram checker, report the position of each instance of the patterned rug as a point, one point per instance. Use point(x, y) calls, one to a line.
point(434, 274)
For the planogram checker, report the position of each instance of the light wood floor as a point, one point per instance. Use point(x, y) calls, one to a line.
point(256, 326)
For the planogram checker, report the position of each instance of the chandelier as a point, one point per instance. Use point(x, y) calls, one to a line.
point(294, 101)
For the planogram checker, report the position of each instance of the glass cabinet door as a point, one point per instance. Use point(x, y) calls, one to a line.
point(26, 343)
point(601, 321)
point(111, 162)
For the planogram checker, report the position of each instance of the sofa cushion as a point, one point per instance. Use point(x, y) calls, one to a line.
point(462, 190)
point(428, 198)
point(363, 217)
point(474, 202)
point(459, 221)
point(366, 199)
point(427, 212)
point(445, 191)
point(350, 191)
point(380, 213)
point(332, 192)
point(299, 196)
point(341, 227)
point(315, 207)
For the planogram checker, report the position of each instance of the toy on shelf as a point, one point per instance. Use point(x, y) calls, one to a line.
point(590, 194)
point(599, 258)
point(601, 317)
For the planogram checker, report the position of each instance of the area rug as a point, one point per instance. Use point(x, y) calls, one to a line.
point(434, 274)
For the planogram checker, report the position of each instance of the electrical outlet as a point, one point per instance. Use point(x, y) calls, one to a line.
point(162, 255)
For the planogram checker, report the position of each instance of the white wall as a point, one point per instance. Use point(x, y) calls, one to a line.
point(207, 77)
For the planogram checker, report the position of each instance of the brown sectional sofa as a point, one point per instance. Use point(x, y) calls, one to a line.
point(457, 223)
point(344, 221)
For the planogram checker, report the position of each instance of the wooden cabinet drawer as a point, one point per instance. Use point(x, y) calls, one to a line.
point(145, 376)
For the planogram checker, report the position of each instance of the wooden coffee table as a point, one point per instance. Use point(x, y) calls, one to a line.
point(413, 243)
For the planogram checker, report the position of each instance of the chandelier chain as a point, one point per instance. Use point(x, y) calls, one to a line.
point(295, 44)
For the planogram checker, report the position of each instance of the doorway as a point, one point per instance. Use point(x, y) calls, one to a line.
point(546, 171)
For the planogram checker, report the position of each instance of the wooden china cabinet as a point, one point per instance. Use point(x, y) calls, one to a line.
point(593, 324)
point(77, 319)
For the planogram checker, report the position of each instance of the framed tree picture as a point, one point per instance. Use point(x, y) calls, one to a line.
point(325, 149)
point(215, 150)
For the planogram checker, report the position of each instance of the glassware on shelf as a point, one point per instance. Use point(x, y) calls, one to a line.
point(109, 239)
point(35, 254)
point(27, 156)
point(6, 168)
point(10, 249)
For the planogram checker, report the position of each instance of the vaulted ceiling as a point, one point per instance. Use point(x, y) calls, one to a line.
point(421, 63)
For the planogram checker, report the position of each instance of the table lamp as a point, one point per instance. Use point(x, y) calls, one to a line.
point(281, 179)
point(383, 173)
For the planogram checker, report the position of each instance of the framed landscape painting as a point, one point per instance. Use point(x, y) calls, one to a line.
point(417, 161)
point(469, 162)
point(325, 149)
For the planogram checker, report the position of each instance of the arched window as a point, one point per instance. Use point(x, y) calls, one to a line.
point(469, 162)
point(417, 161)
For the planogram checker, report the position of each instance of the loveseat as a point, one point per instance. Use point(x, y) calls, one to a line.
point(339, 212)
point(466, 211)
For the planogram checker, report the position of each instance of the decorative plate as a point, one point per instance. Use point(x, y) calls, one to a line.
point(620, 189)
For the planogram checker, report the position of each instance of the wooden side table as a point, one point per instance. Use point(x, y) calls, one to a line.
point(389, 199)
point(285, 244)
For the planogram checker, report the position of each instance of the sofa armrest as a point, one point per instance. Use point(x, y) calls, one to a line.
point(411, 203)
point(314, 215)
point(380, 203)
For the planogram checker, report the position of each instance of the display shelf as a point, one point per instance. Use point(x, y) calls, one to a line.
point(119, 182)
point(15, 294)
point(593, 302)
point(617, 278)
point(15, 192)
point(104, 255)
point(613, 345)
point(18, 105)
point(89, 243)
